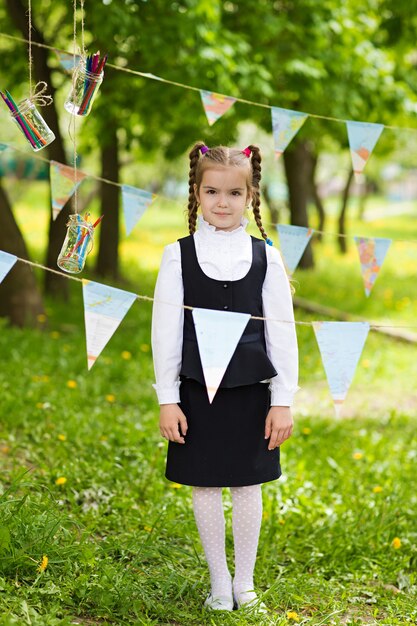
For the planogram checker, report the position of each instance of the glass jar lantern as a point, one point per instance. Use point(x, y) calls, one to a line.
point(84, 88)
point(78, 243)
point(32, 125)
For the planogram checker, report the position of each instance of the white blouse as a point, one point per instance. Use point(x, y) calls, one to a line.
point(223, 255)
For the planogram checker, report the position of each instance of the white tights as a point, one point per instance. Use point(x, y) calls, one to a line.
point(246, 525)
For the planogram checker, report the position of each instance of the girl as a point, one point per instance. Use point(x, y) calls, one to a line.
point(234, 441)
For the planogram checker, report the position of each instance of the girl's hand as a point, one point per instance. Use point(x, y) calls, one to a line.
point(278, 425)
point(169, 417)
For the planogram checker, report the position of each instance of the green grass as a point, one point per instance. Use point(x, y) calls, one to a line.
point(121, 540)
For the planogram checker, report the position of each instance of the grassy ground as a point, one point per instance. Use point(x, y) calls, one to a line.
point(82, 465)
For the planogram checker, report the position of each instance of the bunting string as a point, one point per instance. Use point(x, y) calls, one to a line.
point(190, 87)
point(185, 306)
point(111, 182)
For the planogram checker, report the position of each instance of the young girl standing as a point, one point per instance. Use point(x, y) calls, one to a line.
point(234, 441)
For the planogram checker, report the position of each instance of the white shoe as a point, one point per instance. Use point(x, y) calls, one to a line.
point(249, 600)
point(219, 603)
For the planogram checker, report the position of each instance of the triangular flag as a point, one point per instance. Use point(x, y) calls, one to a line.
point(3, 146)
point(362, 139)
point(63, 185)
point(218, 333)
point(104, 309)
point(285, 124)
point(341, 344)
point(66, 60)
point(135, 203)
point(6, 263)
point(372, 252)
point(293, 241)
point(215, 105)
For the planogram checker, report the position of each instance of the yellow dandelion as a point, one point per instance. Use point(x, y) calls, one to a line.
point(145, 347)
point(147, 528)
point(281, 521)
point(306, 431)
point(265, 515)
point(377, 489)
point(293, 615)
point(396, 543)
point(41, 318)
point(110, 397)
point(45, 379)
point(55, 334)
point(176, 486)
point(44, 564)
point(366, 363)
point(61, 480)
point(72, 384)
point(357, 455)
point(39, 405)
point(126, 355)
point(62, 437)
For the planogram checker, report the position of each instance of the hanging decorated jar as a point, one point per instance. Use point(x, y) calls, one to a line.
point(86, 80)
point(30, 121)
point(78, 243)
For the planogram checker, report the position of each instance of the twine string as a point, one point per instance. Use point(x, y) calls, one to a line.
point(30, 48)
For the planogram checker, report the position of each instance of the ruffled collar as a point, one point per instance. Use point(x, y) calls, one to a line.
point(206, 228)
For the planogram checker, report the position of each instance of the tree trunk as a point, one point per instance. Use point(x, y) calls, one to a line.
point(20, 299)
point(272, 205)
point(298, 162)
point(18, 13)
point(343, 211)
point(317, 200)
point(108, 254)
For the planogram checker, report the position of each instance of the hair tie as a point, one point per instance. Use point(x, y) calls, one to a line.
point(247, 151)
point(204, 149)
point(269, 242)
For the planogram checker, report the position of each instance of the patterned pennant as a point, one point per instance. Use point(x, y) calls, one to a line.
point(362, 139)
point(3, 146)
point(6, 263)
point(215, 105)
point(218, 333)
point(293, 241)
point(104, 309)
point(372, 252)
point(63, 185)
point(66, 60)
point(285, 125)
point(135, 203)
point(341, 344)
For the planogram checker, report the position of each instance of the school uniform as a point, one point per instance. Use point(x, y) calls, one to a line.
point(230, 271)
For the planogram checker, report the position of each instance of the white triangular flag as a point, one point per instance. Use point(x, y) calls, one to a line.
point(340, 344)
point(362, 139)
point(218, 333)
point(64, 181)
point(135, 203)
point(104, 309)
point(6, 263)
point(293, 241)
point(285, 125)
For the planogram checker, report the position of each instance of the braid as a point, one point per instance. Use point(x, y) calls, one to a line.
point(256, 179)
point(192, 200)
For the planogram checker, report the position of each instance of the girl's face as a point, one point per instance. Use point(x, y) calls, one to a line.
point(223, 196)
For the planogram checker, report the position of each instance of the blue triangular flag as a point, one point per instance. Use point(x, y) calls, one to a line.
point(135, 203)
point(293, 241)
point(340, 344)
point(6, 263)
point(372, 252)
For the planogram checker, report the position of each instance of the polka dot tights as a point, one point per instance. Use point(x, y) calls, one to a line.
point(246, 525)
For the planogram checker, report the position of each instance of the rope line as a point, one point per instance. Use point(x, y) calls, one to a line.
point(185, 306)
point(185, 86)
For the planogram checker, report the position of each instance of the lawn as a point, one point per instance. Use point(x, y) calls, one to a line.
point(82, 462)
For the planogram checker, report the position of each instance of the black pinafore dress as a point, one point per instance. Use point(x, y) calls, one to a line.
point(224, 444)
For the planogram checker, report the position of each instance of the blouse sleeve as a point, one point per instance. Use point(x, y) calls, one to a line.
point(167, 326)
point(280, 337)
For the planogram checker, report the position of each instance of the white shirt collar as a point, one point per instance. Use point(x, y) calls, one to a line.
point(206, 228)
